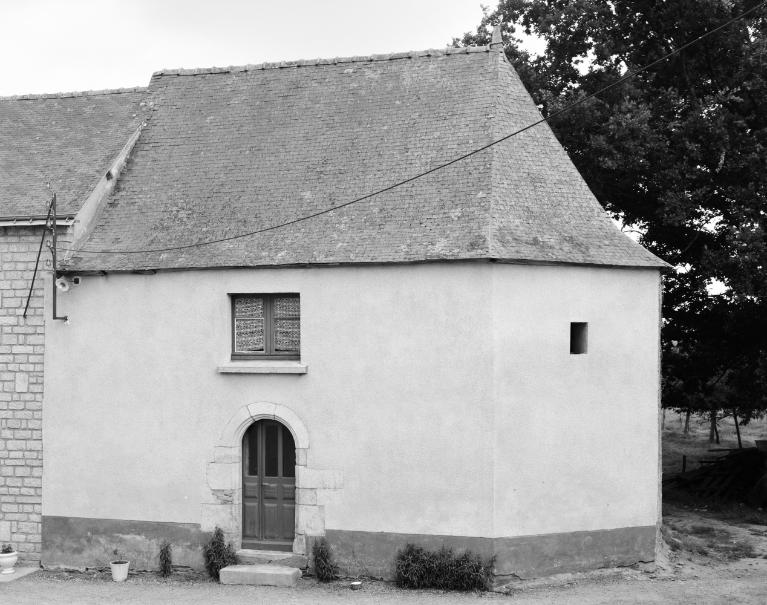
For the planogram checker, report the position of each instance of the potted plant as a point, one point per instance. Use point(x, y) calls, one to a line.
point(8, 558)
point(119, 567)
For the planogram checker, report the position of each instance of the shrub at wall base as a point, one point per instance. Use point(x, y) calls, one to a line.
point(218, 554)
point(322, 559)
point(416, 567)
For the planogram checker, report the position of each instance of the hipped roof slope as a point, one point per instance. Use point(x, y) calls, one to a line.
point(235, 150)
point(67, 140)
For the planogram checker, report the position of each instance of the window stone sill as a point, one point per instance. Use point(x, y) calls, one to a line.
point(265, 366)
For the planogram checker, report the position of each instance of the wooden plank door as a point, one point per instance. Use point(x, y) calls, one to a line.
point(268, 487)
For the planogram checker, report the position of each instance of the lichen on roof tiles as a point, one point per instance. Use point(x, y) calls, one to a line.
point(65, 139)
point(235, 150)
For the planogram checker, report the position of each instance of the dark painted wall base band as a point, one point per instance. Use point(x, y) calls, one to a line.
point(544, 555)
point(372, 554)
point(81, 542)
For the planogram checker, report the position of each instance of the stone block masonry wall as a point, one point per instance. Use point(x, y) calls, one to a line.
point(22, 342)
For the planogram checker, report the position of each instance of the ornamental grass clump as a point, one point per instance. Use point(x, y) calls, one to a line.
point(324, 567)
point(416, 567)
point(218, 554)
point(166, 559)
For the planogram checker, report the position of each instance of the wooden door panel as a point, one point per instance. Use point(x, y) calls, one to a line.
point(270, 490)
point(250, 488)
point(288, 521)
point(250, 528)
point(272, 513)
point(268, 496)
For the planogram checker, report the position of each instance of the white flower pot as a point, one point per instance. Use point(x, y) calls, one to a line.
point(119, 570)
point(7, 561)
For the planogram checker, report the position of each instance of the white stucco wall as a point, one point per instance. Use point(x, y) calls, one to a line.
point(576, 436)
point(135, 405)
point(419, 377)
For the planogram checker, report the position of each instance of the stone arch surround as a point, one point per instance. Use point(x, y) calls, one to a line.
point(222, 497)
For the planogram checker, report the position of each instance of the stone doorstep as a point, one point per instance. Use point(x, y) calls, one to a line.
point(260, 575)
point(248, 556)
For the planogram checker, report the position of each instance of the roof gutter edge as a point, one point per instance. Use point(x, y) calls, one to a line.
point(660, 266)
point(64, 220)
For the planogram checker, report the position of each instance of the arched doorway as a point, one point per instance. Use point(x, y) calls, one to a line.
point(268, 486)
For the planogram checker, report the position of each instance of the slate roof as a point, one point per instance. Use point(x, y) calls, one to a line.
point(234, 150)
point(67, 139)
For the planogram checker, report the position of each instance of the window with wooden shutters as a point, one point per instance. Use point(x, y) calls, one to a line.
point(266, 326)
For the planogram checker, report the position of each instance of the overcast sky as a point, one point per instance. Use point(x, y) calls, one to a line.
point(65, 45)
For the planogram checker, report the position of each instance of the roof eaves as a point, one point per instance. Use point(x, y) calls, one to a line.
point(75, 265)
point(33, 221)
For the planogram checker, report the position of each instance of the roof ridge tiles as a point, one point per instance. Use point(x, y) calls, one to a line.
point(73, 94)
point(413, 54)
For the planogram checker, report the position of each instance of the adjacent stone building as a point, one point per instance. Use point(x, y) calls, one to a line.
point(65, 144)
point(21, 394)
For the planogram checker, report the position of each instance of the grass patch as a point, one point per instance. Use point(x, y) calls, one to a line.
point(695, 546)
point(706, 541)
point(669, 537)
point(703, 530)
point(736, 551)
point(732, 512)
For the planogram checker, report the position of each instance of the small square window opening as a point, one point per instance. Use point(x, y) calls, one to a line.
point(579, 337)
point(266, 326)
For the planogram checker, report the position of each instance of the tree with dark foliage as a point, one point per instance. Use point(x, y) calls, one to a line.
point(678, 154)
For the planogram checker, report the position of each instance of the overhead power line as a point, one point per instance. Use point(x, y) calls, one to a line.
point(627, 76)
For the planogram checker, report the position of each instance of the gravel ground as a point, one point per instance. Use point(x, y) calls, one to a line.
point(708, 561)
point(744, 581)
